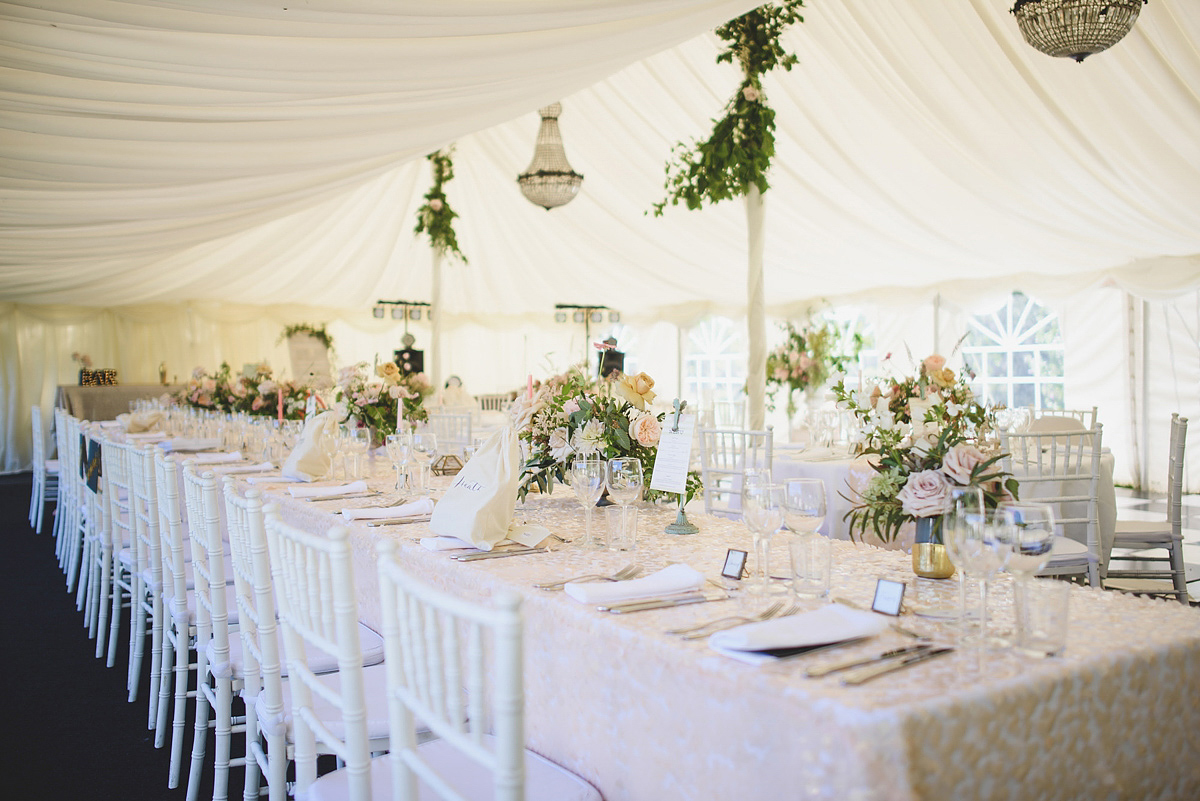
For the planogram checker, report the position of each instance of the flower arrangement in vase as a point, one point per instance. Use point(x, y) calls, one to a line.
point(925, 433)
point(807, 358)
point(257, 394)
point(573, 415)
point(375, 404)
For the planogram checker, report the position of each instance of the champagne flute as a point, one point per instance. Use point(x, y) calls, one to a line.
point(397, 451)
point(762, 512)
point(424, 451)
point(623, 479)
point(587, 480)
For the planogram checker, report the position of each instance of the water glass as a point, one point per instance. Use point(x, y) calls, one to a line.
point(804, 505)
point(399, 449)
point(762, 512)
point(1042, 619)
point(984, 551)
point(624, 480)
point(812, 562)
point(621, 527)
point(424, 451)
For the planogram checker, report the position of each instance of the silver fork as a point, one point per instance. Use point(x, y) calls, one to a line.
point(627, 572)
point(732, 620)
point(780, 612)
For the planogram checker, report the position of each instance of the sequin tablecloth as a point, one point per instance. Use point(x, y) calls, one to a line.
point(646, 716)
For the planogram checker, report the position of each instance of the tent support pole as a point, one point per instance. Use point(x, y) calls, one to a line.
point(756, 367)
point(435, 340)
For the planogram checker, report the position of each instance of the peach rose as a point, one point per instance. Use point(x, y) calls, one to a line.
point(933, 364)
point(646, 430)
point(637, 389)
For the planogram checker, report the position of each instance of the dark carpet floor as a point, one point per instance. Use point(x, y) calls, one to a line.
point(69, 731)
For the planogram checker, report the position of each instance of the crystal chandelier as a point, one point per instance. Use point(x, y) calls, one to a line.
point(1075, 28)
point(549, 181)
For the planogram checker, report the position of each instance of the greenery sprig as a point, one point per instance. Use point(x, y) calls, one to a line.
point(316, 332)
point(435, 217)
point(738, 153)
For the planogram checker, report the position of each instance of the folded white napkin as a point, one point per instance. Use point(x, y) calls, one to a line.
point(275, 479)
point(325, 492)
point(142, 421)
point(444, 544)
point(111, 423)
point(415, 509)
point(180, 444)
point(147, 436)
point(312, 456)
point(214, 458)
point(829, 624)
point(668, 581)
point(243, 468)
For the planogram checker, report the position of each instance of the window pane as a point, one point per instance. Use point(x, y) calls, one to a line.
point(997, 393)
point(973, 362)
point(1052, 396)
point(997, 365)
point(1023, 395)
point(1022, 363)
point(1052, 364)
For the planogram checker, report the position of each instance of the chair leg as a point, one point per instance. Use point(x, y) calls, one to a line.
point(114, 626)
point(137, 637)
point(179, 723)
point(223, 733)
point(106, 590)
point(34, 496)
point(200, 737)
point(1094, 574)
point(156, 654)
point(1179, 573)
point(166, 672)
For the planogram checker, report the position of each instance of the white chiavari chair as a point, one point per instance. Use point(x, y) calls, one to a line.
point(254, 657)
point(494, 402)
point(147, 610)
point(1140, 536)
point(45, 474)
point(69, 520)
point(453, 431)
point(62, 510)
point(1062, 419)
point(118, 496)
point(1063, 469)
point(724, 454)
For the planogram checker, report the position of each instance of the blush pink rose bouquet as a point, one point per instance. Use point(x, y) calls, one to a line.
point(807, 358)
point(925, 434)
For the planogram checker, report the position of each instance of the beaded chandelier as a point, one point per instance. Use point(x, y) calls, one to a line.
point(1075, 28)
point(549, 180)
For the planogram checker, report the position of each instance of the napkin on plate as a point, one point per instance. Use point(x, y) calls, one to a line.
point(670, 580)
point(182, 444)
point(420, 508)
point(325, 492)
point(829, 624)
point(214, 458)
point(243, 468)
point(275, 479)
point(445, 544)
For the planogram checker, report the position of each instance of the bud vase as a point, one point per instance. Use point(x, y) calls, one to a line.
point(929, 559)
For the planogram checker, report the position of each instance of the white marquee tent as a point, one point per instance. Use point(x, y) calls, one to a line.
point(180, 179)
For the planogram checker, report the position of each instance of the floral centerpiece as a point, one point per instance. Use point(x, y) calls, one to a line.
point(807, 358)
point(924, 432)
point(374, 404)
point(573, 415)
point(254, 394)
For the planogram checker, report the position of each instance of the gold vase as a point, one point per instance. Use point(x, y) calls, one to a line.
point(929, 559)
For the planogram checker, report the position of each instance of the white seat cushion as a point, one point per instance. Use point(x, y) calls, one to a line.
point(318, 661)
point(374, 690)
point(1143, 532)
point(544, 781)
point(52, 466)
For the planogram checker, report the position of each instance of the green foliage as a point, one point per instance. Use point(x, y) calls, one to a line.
point(738, 153)
point(435, 217)
point(316, 332)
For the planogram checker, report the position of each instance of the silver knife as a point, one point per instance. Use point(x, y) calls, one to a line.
point(865, 674)
point(662, 603)
point(343, 496)
point(397, 521)
point(855, 661)
point(471, 557)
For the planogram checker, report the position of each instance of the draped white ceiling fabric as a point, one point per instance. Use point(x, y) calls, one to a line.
point(161, 151)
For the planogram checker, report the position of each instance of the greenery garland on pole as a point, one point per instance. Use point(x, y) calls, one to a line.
point(436, 217)
point(738, 153)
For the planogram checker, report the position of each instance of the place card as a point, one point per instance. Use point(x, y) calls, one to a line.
point(889, 597)
point(735, 564)
point(674, 454)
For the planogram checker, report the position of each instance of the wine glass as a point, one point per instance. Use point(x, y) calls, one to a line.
point(804, 514)
point(424, 451)
point(984, 551)
point(762, 512)
point(623, 479)
point(1029, 529)
point(587, 480)
point(398, 449)
point(358, 442)
point(966, 509)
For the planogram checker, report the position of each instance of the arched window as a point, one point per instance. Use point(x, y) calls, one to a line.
point(714, 361)
point(1016, 353)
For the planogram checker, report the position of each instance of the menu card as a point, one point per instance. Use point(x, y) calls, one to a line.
point(674, 454)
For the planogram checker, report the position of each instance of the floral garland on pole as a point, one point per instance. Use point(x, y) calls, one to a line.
point(738, 153)
point(436, 217)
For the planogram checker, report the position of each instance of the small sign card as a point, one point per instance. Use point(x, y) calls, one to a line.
point(674, 454)
point(889, 597)
point(735, 564)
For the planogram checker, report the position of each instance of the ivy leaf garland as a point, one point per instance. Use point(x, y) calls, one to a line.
point(436, 217)
point(738, 153)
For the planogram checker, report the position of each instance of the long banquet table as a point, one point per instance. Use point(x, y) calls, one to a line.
point(643, 715)
point(106, 402)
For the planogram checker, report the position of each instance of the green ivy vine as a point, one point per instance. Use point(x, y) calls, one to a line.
point(316, 332)
point(436, 217)
point(738, 153)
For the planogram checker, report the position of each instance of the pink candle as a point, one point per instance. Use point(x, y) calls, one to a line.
point(281, 404)
point(531, 386)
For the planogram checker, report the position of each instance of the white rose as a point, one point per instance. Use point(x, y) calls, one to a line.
point(560, 445)
point(925, 494)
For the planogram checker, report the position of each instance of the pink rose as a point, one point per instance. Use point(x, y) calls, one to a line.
point(781, 374)
point(571, 406)
point(934, 364)
point(751, 94)
point(646, 430)
point(805, 361)
point(925, 494)
point(435, 204)
point(257, 403)
point(960, 461)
